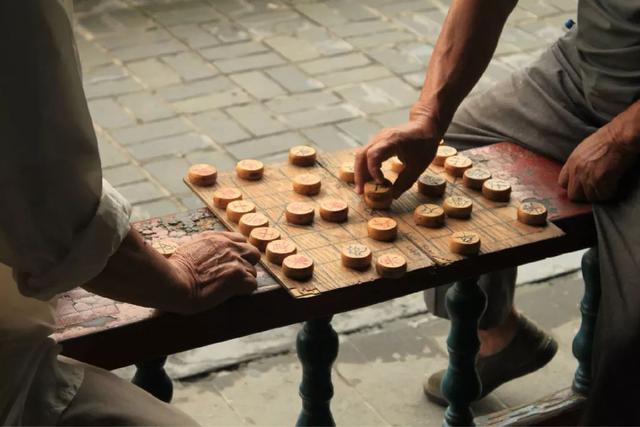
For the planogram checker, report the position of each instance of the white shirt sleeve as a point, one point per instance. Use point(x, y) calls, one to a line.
point(59, 221)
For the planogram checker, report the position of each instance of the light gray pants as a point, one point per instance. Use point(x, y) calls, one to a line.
point(540, 107)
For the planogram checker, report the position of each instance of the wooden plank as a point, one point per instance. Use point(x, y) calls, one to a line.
point(423, 247)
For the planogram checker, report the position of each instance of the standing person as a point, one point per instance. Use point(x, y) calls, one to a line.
point(578, 103)
point(63, 226)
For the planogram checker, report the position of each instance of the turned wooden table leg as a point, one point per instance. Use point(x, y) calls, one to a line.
point(461, 384)
point(583, 342)
point(151, 377)
point(317, 347)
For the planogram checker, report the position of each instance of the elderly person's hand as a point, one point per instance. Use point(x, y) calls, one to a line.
point(593, 170)
point(213, 267)
point(415, 143)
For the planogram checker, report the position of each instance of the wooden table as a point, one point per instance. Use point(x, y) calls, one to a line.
point(110, 334)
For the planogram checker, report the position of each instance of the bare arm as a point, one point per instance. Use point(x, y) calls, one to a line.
point(464, 48)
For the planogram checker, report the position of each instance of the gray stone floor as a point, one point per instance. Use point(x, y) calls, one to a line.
point(176, 82)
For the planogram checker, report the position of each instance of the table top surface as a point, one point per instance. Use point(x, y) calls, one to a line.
point(82, 315)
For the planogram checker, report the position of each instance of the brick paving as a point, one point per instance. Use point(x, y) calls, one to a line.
point(171, 83)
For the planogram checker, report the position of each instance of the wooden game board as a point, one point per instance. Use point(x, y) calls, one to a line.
point(322, 241)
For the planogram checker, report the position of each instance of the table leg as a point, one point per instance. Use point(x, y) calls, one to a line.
point(583, 342)
point(151, 377)
point(317, 347)
point(461, 384)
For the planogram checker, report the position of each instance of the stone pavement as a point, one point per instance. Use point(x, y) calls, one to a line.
point(176, 82)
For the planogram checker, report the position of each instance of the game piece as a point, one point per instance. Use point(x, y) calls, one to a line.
point(302, 155)
point(238, 208)
point(456, 165)
point(165, 247)
point(464, 243)
point(497, 190)
point(278, 250)
point(299, 213)
point(356, 256)
point(378, 195)
point(260, 237)
point(396, 165)
point(382, 228)
point(429, 215)
point(334, 210)
point(474, 177)
point(391, 265)
point(307, 184)
point(202, 174)
point(458, 207)
point(346, 172)
point(250, 169)
point(226, 195)
point(532, 213)
point(444, 151)
point(432, 185)
point(252, 220)
point(298, 267)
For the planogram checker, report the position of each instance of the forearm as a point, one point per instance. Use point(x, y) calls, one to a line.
point(464, 48)
point(138, 274)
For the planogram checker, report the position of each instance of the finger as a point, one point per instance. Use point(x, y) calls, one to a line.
point(248, 252)
point(375, 156)
point(563, 178)
point(404, 182)
point(231, 235)
point(250, 268)
point(360, 172)
point(575, 190)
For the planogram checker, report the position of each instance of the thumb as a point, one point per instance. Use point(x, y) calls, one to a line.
point(404, 182)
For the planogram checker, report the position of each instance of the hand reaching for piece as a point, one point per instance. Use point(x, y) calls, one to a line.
point(214, 267)
point(415, 144)
point(593, 170)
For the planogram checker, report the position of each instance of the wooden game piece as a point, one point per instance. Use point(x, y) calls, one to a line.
point(307, 184)
point(444, 152)
point(226, 195)
point(299, 213)
point(298, 267)
point(475, 177)
point(346, 172)
point(165, 247)
point(260, 237)
point(432, 185)
point(429, 215)
point(302, 155)
point(382, 228)
point(456, 165)
point(202, 174)
point(250, 169)
point(396, 165)
point(458, 207)
point(278, 250)
point(497, 190)
point(532, 213)
point(334, 210)
point(391, 265)
point(378, 195)
point(464, 243)
point(356, 256)
point(252, 220)
point(238, 208)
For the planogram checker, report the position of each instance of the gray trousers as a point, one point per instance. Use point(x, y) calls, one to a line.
point(540, 107)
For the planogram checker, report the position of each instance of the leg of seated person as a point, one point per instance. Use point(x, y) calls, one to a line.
point(105, 399)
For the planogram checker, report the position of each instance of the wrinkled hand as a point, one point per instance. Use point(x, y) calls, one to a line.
point(414, 143)
point(214, 267)
point(592, 172)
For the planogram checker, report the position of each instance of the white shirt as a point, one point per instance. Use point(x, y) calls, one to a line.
point(59, 220)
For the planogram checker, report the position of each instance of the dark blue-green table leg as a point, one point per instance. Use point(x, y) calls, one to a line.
point(583, 342)
point(461, 384)
point(317, 347)
point(151, 377)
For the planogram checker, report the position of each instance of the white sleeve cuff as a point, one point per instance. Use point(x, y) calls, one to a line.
point(90, 249)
